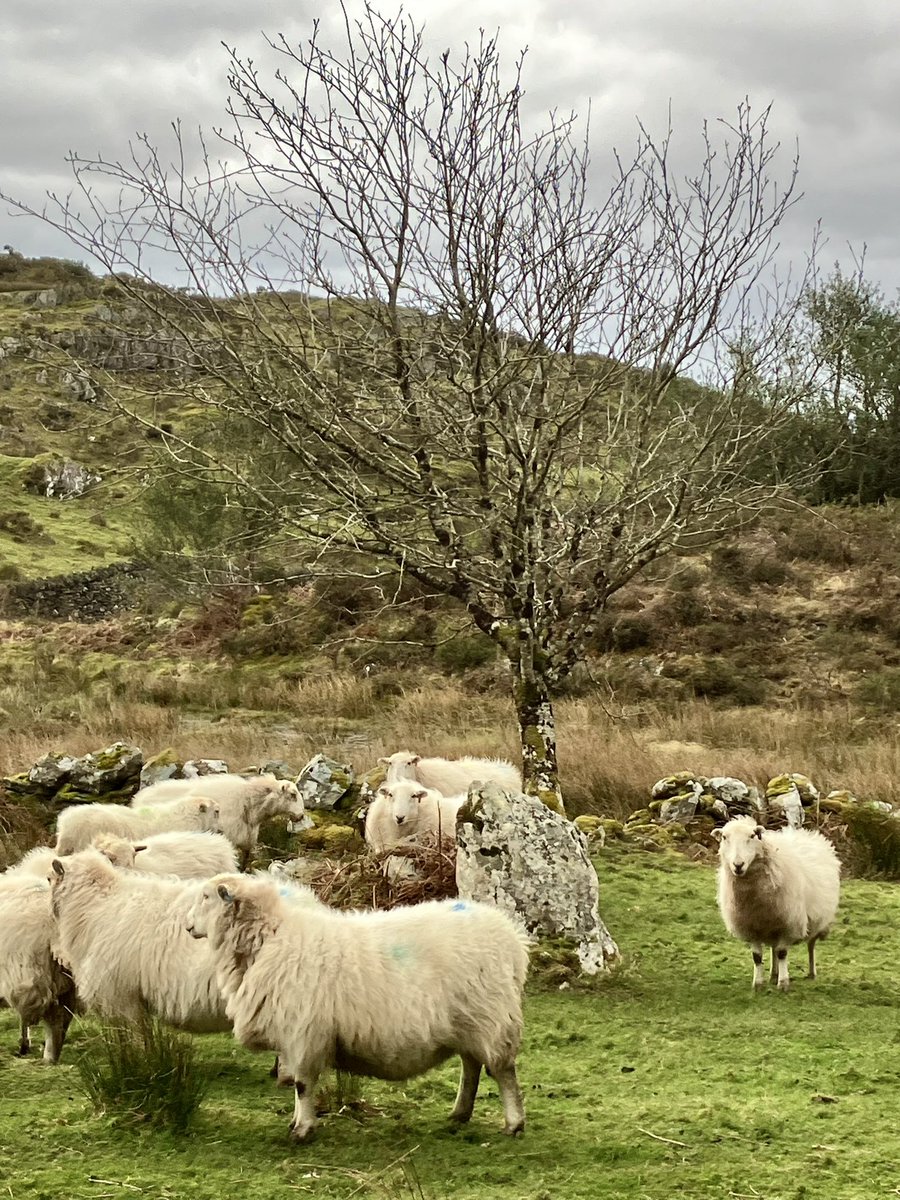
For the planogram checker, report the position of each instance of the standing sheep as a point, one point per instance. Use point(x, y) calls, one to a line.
point(776, 889)
point(33, 981)
point(123, 937)
point(185, 854)
point(36, 862)
point(243, 803)
point(78, 825)
point(451, 776)
point(387, 994)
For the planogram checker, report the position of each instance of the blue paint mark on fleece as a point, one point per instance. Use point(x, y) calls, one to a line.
point(460, 906)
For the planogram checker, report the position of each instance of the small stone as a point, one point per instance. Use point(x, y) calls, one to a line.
point(195, 768)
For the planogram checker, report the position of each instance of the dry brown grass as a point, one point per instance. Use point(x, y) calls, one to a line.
point(609, 757)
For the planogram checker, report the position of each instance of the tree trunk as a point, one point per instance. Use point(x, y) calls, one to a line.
point(537, 729)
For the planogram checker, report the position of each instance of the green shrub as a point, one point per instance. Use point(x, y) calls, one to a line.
point(143, 1072)
point(881, 689)
point(874, 841)
point(633, 631)
point(473, 650)
point(717, 679)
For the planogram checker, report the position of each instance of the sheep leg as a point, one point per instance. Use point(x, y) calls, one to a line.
point(57, 1023)
point(773, 974)
point(759, 975)
point(811, 945)
point(24, 1039)
point(303, 1123)
point(468, 1089)
point(511, 1098)
point(784, 981)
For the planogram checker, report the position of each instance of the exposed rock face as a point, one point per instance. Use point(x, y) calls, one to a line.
point(194, 768)
point(50, 772)
point(323, 783)
point(61, 480)
point(161, 766)
point(518, 854)
point(109, 770)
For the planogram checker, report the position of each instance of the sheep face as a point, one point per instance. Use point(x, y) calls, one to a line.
point(404, 798)
point(117, 850)
point(401, 765)
point(209, 813)
point(740, 845)
point(214, 909)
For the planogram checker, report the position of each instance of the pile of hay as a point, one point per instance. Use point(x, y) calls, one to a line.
point(359, 882)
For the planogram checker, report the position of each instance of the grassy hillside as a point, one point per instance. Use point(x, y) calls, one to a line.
point(672, 1078)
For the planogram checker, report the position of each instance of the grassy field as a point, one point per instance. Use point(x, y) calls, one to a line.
point(669, 1079)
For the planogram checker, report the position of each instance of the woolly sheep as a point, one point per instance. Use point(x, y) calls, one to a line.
point(452, 775)
point(387, 994)
point(406, 811)
point(244, 803)
point(185, 854)
point(36, 862)
point(33, 981)
point(123, 936)
point(777, 888)
point(78, 825)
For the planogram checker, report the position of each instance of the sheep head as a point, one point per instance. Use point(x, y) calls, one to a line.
point(740, 844)
point(404, 797)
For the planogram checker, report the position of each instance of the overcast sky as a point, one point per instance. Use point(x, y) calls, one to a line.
point(85, 77)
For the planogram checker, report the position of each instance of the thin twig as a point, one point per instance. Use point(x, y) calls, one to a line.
point(657, 1138)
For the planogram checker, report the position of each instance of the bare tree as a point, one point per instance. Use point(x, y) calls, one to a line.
point(481, 377)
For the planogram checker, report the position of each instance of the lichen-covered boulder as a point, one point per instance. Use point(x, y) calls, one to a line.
point(738, 797)
point(61, 479)
point(277, 767)
point(680, 807)
point(50, 773)
point(679, 784)
point(518, 854)
point(324, 783)
point(592, 827)
point(836, 801)
point(195, 768)
point(165, 765)
point(116, 768)
point(784, 802)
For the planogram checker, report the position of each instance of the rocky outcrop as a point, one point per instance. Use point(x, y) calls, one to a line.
point(60, 479)
point(518, 854)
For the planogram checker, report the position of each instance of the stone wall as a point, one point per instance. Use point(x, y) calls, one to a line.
point(86, 596)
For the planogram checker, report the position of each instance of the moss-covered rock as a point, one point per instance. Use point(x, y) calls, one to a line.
point(165, 765)
point(591, 827)
point(331, 837)
point(676, 785)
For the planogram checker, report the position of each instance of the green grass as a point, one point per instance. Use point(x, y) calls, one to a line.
point(758, 1096)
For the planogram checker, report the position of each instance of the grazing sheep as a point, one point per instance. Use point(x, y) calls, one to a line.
point(777, 888)
point(123, 936)
point(452, 775)
point(185, 854)
point(33, 981)
point(388, 994)
point(244, 803)
point(78, 825)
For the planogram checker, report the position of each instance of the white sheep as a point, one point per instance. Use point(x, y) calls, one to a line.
point(387, 994)
point(36, 862)
point(404, 811)
point(78, 825)
point(185, 854)
point(243, 802)
point(777, 888)
point(123, 936)
point(452, 775)
point(33, 981)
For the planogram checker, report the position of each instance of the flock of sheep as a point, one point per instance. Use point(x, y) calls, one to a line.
point(143, 909)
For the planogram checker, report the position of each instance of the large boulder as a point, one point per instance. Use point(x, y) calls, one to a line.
point(519, 855)
point(114, 769)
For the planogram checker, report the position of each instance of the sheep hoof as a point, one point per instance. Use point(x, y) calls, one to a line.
point(515, 1130)
point(784, 985)
point(302, 1134)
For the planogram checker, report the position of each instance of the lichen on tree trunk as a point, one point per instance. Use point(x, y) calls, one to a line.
point(537, 730)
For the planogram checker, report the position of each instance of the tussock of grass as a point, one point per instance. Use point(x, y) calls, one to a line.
point(143, 1073)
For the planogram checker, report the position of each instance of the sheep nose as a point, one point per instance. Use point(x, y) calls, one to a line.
point(739, 868)
point(400, 820)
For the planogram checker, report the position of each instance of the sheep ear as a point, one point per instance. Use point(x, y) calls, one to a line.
point(137, 849)
point(203, 806)
point(414, 758)
point(386, 761)
point(224, 894)
point(716, 835)
point(58, 868)
point(758, 832)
